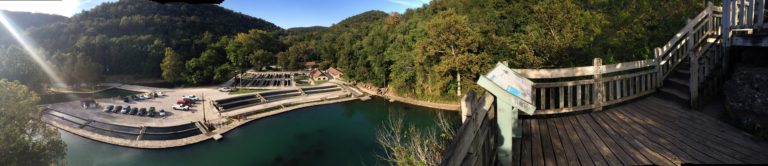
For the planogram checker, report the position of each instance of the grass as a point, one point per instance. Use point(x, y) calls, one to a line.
point(320, 82)
point(244, 91)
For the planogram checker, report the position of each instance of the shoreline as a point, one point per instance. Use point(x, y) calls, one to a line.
point(412, 101)
point(162, 144)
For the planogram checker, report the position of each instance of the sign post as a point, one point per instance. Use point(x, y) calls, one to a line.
point(513, 93)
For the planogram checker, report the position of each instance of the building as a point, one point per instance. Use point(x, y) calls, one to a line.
point(310, 65)
point(336, 74)
point(318, 75)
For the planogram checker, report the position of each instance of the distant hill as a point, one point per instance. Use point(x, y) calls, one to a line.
point(128, 37)
point(172, 23)
point(24, 20)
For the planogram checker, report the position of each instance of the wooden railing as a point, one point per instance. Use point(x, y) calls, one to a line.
point(593, 87)
point(475, 141)
point(742, 15)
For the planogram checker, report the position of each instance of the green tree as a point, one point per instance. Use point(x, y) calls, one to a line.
point(172, 66)
point(452, 45)
point(26, 140)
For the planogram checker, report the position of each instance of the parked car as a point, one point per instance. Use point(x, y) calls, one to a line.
point(148, 96)
point(134, 111)
point(117, 109)
point(161, 113)
point(135, 97)
point(109, 108)
point(191, 97)
point(151, 109)
point(180, 107)
point(151, 113)
point(160, 93)
point(125, 110)
point(225, 89)
point(142, 112)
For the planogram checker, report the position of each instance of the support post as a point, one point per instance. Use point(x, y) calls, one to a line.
point(750, 14)
point(760, 14)
point(694, 69)
point(507, 107)
point(598, 84)
point(659, 72)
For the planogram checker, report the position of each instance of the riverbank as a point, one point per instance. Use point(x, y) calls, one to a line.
point(223, 124)
point(391, 96)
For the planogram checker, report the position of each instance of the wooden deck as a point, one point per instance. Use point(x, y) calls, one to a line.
point(647, 131)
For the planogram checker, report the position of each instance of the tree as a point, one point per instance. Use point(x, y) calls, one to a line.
point(453, 45)
point(172, 66)
point(26, 140)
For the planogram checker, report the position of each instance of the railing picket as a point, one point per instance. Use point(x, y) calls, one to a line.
point(562, 98)
point(570, 97)
point(578, 95)
point(542, 100)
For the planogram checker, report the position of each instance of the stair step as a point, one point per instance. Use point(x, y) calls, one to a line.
point(680, 81)
point(677, 94)
point(683, 70)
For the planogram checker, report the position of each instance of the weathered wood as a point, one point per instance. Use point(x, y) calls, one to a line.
point(582, 71)
point(760, 14)
point(561, 98)
point(598, 84)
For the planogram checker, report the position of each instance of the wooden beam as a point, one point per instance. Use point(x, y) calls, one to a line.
point(750, 13)
point(599, 89)
point(750, 41)
point(582, 71)
point(760, 14)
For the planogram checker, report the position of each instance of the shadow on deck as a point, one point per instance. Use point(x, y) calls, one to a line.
point(647, 131)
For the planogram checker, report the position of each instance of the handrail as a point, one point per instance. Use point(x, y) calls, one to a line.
point(565, 90)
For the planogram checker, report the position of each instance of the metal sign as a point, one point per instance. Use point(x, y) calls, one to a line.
point(511, 82)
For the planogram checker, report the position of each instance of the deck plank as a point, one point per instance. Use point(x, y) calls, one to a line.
point(664, 142)
point(525, 157)
point(581, 151)
point(601, 147)
point(547, 144)
point(536, 152)
point(557, 145)
point(646, 131)
point(690, 148)
point(721, 141)
point(685, 134)
point(570, 152)
point(597, 157)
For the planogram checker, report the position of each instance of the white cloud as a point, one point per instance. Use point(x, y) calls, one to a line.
point(410, 3)
point(62, 7)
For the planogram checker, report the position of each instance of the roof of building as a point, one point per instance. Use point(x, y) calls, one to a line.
point(310, 63)
point(334, 71)
point(316, 73)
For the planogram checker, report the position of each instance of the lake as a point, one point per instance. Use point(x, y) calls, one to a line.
point(334, 134)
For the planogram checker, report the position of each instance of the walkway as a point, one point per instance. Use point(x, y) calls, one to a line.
point(647, 131)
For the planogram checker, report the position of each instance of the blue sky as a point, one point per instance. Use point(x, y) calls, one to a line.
point(284, 13)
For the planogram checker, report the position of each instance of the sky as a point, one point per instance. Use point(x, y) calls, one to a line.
point(284, 13)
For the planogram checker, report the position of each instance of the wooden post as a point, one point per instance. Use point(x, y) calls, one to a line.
point(726, 31)
point(659, 73)
point(750, 13)
point(694, 69)
point(598, 81)
point(760, 14)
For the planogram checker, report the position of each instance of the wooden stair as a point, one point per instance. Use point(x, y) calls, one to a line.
point(677, 86)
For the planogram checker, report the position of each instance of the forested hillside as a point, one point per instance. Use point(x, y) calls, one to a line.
point(420, 53)
point(130, 38)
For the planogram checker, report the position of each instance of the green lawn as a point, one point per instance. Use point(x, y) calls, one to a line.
point(244, 91)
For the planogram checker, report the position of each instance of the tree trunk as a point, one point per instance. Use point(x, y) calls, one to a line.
point(458, 82)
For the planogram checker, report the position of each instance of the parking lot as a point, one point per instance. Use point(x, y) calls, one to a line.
point(173, 117)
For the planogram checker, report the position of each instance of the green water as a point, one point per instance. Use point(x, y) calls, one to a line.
point(335, 134)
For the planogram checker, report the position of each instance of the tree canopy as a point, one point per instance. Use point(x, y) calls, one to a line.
point(26, 140)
